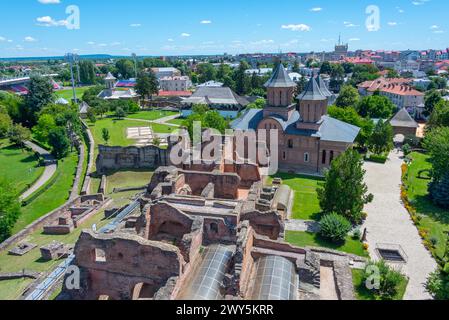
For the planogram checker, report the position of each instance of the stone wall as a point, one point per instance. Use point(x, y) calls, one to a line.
point(87, 181)
point(123, 267)
point(117, 158)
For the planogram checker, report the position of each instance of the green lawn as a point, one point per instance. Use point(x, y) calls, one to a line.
point(178, 121)
point(18, 167)
point(434, 219)
point(306, 205)
point(151, 115)
point(68, 93)
point(303, 239)
point(363, 293)
point(54, 197)
point(31, 261)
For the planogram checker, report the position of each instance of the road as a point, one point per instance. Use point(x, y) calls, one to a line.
point(49, 171)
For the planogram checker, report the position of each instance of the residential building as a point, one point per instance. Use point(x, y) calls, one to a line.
point(166, 72)
point(177, 83)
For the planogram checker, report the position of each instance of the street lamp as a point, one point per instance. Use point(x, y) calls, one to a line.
point(71, 58)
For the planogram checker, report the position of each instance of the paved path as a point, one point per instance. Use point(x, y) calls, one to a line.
point(49, 171)
point(160, 121)
point(389, 223)
point(302, 225)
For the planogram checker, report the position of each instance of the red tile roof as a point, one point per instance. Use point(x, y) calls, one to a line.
point(175, 93)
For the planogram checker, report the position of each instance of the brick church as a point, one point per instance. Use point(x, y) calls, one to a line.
point(309, 139)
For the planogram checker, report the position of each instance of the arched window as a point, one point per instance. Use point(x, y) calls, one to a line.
point(214, 227)
point(290, 143)
point(323, 160)
point(284, 155)
point(306, 157)
point(331, 157)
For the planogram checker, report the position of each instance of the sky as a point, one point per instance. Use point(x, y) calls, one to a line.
point(30, 28)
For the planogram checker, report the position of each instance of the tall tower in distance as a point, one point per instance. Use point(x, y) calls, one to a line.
point(341, 50)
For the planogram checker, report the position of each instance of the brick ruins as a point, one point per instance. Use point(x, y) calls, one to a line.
point(207, 232)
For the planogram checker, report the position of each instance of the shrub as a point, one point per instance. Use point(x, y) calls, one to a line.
point(406, 149)
point(438, 285)
point(389, 279)
point(357, 235)
point(378, 158)
point(334, 227)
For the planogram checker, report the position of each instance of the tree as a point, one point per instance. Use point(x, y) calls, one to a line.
point(147, 85)
point(344, 191)
point(105, 135)
point(381, 139)
point(376, 106)
point(125, 68)
point(258, 104)
point(40, 94)
point(59, 142)
point(5, 124)
point(87, 72)
point(349, 97)
point(206, 72)
point(9, 208)
point(91, 115)
point(392, 74)
point(18, 135)
point(389, 279)
point(431, 99)
point(296, 67)
point(436, 143)
point(440, 115)
point(326, 68)
point(120, 113)
point(242, 82)
point(45, 124)
point(439, 191)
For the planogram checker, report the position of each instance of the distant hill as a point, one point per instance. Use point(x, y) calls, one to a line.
point(86, 57)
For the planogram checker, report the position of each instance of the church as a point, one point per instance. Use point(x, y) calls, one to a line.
point(309, 139)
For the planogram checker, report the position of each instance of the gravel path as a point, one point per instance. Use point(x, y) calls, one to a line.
point(49, 171)
point(302, 225)
point(389, 223)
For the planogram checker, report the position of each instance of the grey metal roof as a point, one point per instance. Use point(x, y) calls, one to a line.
point(312, 92)
point(216, 95)
point(276, 279)
point(330, 129)
point(323, 87)
point(403, 119)
point(207, 281)
point(280, 79)
point(109, 76)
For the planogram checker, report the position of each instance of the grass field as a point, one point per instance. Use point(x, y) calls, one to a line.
point(151, 115)
point(178, 121)
point(303, 239)
point(363, 293)
point(306, 205)
point(434, 219)
point(13, 289)
point(54, 197)
point(68, 93)
point(18, 167)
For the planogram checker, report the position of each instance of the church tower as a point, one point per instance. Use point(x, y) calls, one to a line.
point(312, 106)
point(280, 90)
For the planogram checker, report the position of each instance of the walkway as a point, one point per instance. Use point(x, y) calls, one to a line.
point(50, 169)
point(302, 226)
point(159, 121)
point(389, 223)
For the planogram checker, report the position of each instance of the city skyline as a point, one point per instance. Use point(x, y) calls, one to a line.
point(205, 28)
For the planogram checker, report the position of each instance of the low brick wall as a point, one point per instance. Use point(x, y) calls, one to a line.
point(79, 170)
point(87, 181)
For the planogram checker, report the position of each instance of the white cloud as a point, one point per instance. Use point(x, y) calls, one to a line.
point(419, 2)
point(170, 40)
point(350, 24)
point(317, 9)
point(48, 21)
point(392, 23)
point(49, 1)
point(354, 39)
point(91, 43)
point(296, 27)
point(434, 27)
point(135, 25)
point(30, 39)
point(206, 22)
point(185, 35)
point(2, 39)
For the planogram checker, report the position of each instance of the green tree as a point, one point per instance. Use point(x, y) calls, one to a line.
point(40, 94)
point(440, 115)
point(344, 190)
point(5, 124)
point(125, 68)
point(59, 142)
point(326, 68)
point(392, 74)
point(18, 135)
point(147, 85)
point(376, 106)
point(105, 135)
point(120, 113)
point(431, 99)
point(45, 124)
point(242, 82)
point(348, 98)
point(258, 104)
point(389, 279)
point(87, 72)
point(334, 227)
point(381, 139)
point(9, 208)
point(206, 72)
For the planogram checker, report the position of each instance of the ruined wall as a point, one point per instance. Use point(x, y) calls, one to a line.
point(117, 158)
point(248, 173)
point(226, 184)
point(113, 265)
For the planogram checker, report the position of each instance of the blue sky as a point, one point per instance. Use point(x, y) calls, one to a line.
point(38, 28)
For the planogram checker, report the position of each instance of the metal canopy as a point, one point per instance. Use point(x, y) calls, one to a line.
point(276, 279)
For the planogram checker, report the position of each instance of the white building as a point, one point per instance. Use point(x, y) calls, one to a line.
point(406, 65)
point(178, 83)
point(166, 72)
